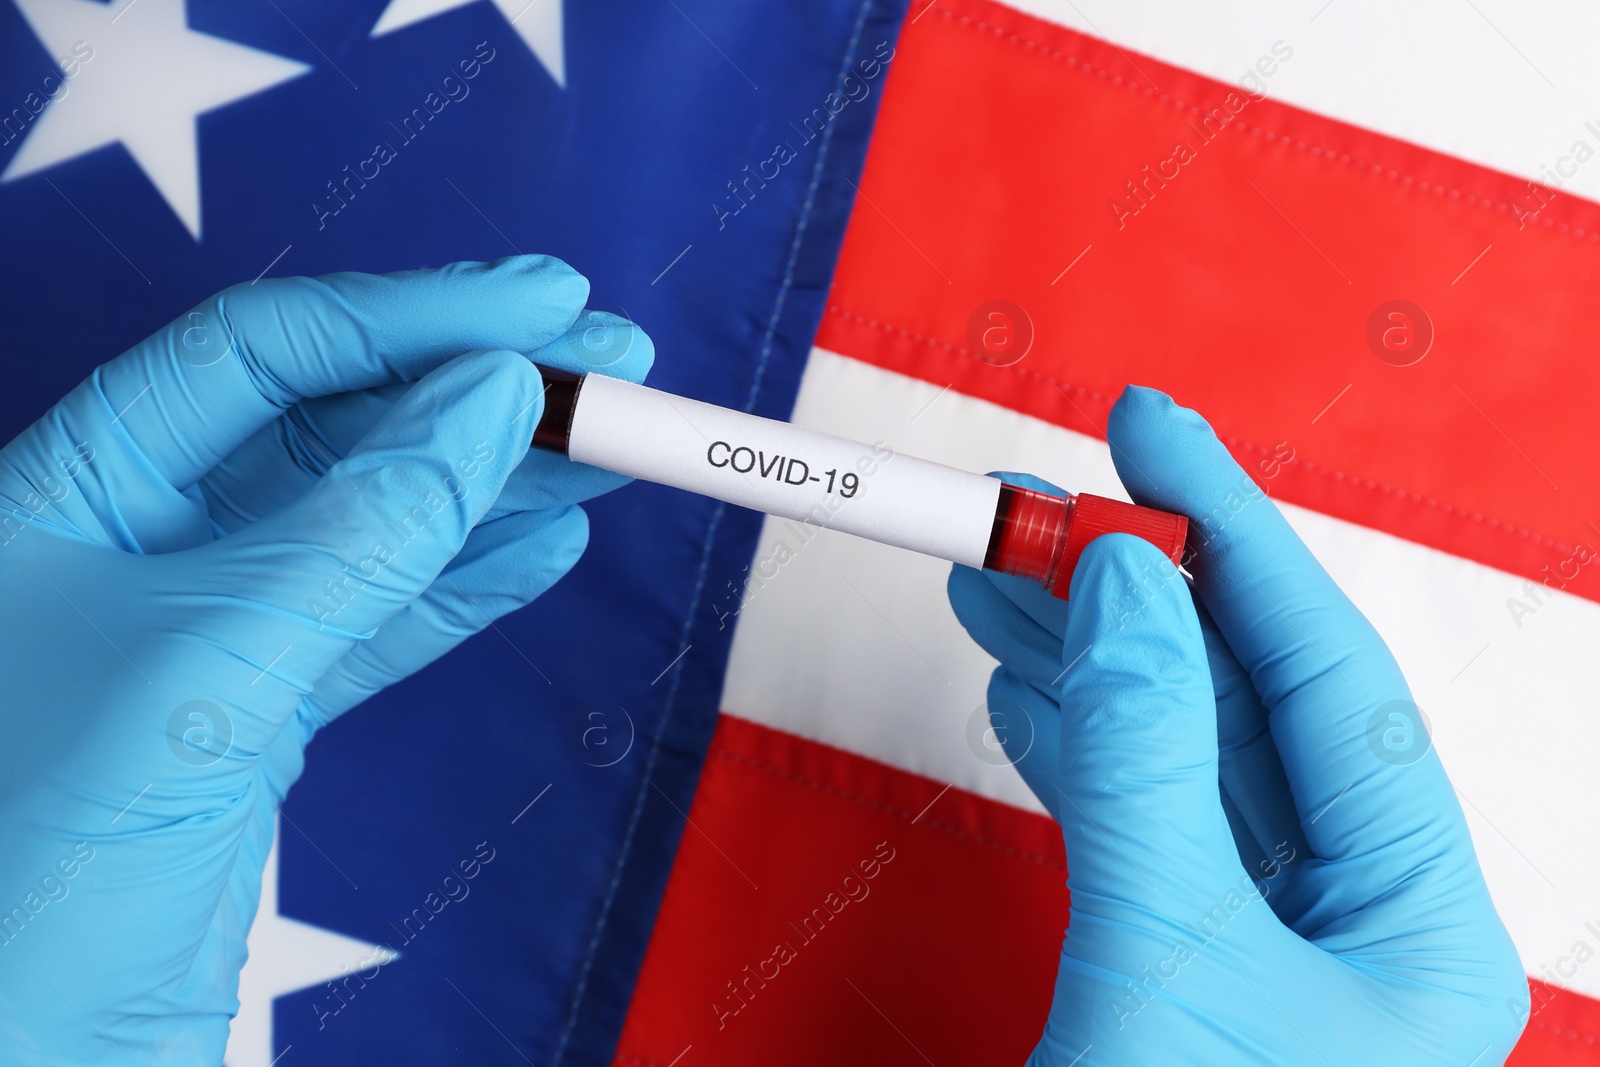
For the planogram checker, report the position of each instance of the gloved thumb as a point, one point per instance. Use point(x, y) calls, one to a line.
point(1137, 781)
point(381, 524)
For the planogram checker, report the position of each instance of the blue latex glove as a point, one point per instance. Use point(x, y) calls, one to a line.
point(1324, 905)
point(199, 568)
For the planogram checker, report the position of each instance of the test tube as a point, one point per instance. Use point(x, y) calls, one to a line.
point(868, 490)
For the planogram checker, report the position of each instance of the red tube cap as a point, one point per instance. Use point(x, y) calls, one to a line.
point(1041, 536)
point(1096, 515)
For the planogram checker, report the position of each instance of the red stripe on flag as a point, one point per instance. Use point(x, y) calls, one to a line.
point(1240, 275)
point(948, 947)
point(786, 937)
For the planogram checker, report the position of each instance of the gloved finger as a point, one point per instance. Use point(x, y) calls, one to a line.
point(1244, 839)
point(1249, 763)
point(1150, 853)
point(1321, 670)
point(1012, 618)
point(1048, 612)
point(289, 455)
point(1267, 825)
point(284, 458)
point(377, 530)
point(505, 564)
point(598, 343)
point(1252, 773)
point(1027, 724)
point(181, 400)
point(1023, 701)
point(1002, 628)
point(1140, 807)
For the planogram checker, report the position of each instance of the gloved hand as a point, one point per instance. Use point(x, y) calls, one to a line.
point(200, 567)
point(1323, 905)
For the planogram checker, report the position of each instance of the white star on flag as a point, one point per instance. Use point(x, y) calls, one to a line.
point(147, 80)
point(286, 955)
point(537, 22)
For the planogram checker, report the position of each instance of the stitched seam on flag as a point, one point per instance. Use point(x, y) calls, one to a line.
point(1329, 154)
point(645, 781)
point(1562, 1032)
point(805, 217)
point(844, 794)
point(705, 555)
point(1404, 495)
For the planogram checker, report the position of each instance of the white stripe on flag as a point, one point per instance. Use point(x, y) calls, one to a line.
point(1505, 85)
point(854, 645)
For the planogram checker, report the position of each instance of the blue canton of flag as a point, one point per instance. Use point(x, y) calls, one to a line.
point(471, 864)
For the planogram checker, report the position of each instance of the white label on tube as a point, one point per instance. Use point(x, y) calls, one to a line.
point(785, 470)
